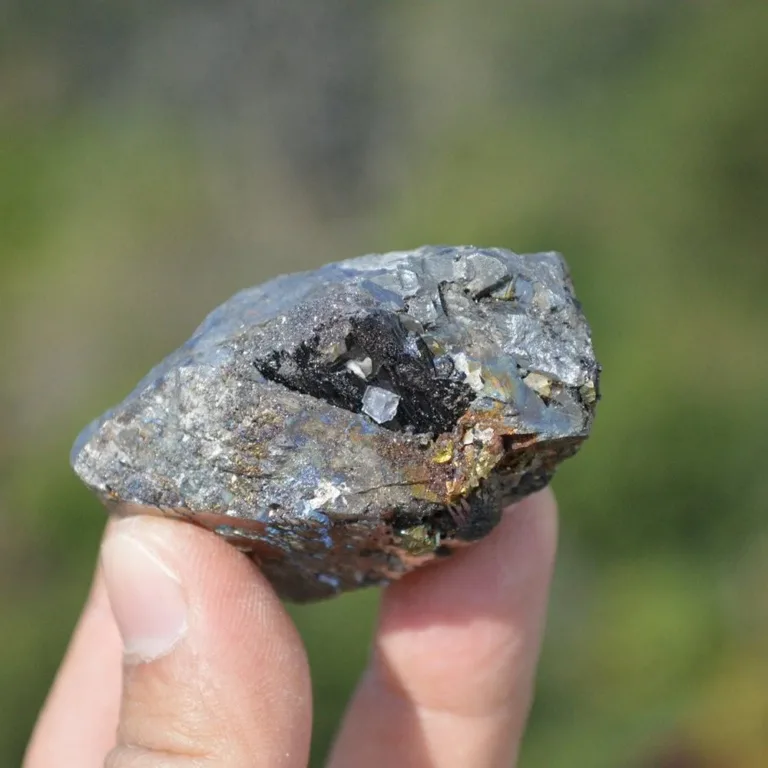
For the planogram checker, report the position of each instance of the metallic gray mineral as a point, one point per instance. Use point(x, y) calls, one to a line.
point(344, 426)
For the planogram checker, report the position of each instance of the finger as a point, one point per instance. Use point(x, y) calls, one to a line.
point(453, 666)
point(78, 723)
point(214, 671)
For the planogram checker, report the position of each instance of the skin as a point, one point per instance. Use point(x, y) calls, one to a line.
point(449, 681)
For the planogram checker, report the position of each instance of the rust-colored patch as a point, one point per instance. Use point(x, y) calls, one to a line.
point(450, 468)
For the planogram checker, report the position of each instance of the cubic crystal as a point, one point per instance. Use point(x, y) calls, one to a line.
point(380, 404)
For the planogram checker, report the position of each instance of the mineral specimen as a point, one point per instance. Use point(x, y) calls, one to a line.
point(345, 425)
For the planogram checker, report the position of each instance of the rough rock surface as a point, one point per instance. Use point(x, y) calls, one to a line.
point(345, 425)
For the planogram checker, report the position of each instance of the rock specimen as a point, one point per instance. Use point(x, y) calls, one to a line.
point(345, 425)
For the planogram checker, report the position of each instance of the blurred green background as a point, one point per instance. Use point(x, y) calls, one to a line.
point(156, 157)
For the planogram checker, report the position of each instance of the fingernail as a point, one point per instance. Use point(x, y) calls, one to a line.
point(145, 593)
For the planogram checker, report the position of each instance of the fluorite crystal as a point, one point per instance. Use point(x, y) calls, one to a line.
point(345, 425)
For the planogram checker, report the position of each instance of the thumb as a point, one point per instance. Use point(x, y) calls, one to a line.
point(213, 670)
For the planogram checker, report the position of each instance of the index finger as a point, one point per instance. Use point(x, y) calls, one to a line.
point(454, 661)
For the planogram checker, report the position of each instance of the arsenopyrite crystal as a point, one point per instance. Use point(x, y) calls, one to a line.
point(345, 425)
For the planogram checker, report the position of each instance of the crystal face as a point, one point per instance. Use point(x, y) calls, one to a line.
point(380, 404)
point(346, 425)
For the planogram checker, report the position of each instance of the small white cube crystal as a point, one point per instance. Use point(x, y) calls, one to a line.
point(380, 404)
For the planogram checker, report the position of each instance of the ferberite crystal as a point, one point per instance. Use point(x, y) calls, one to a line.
point(345, 425)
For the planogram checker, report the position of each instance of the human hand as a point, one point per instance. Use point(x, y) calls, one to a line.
point(210, 670)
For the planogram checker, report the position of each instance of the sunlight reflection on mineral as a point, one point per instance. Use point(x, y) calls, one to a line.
point(346, 425)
